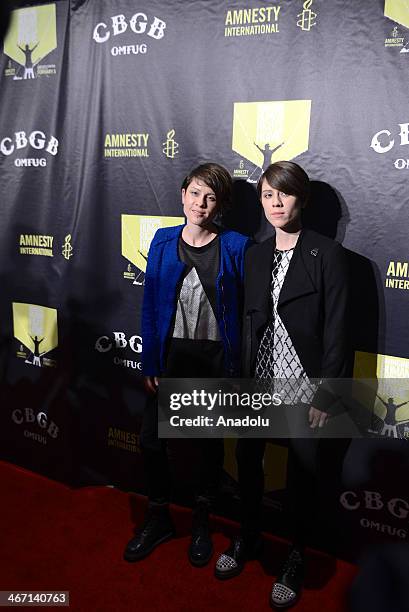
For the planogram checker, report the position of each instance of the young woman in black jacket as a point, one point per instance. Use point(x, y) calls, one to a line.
point(295, 309)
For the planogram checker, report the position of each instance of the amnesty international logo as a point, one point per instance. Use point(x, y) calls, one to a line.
point(395, 40)
point(307, 18)
point(170, 146)
point(137, 234)
point(67, 250)
point(35, 328)
point(32, 35)
point(252, 21)
point(125, 440)
point(389, 392)
point(397, 275)
point(265, 132)
point(36, 244)
point(126, 145)
point(398, 10)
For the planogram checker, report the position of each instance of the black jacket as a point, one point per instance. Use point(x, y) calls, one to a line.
point(313, 306)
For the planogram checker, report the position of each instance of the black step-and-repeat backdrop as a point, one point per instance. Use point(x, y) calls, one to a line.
point(104, 107)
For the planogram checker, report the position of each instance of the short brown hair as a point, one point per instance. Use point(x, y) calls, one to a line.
point(288, 177)
point(217, 178)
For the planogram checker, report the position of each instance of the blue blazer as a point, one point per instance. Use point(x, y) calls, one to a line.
point(163, 274)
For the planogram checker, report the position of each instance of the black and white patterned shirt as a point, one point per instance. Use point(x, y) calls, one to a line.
point(277, 357)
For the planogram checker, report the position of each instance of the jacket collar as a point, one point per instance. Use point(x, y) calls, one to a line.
point(299, 277)
point(298, 280)
point(259, 278)
point(176, 265)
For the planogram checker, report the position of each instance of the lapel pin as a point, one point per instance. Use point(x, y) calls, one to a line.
point(314, 252)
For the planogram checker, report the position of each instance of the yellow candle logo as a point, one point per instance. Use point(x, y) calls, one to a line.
point(170, 146)
point(307, 17)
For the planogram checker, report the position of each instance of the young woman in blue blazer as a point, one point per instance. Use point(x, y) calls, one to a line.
point(191, 328)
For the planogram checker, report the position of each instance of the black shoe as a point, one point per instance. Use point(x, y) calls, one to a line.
point(156, 528)
point(288, 585)
point(231, 563)
point(201, 546)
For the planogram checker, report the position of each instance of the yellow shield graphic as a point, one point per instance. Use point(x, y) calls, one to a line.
point(265, 132)
point(398, 10)
point(32, 34)
point(137, 234)
point(35, 326)
point(385, 386)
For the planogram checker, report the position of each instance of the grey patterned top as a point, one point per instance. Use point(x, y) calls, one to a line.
point(195, 319)
point(277, 357)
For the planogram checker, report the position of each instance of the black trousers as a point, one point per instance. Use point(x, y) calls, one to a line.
point(302, 483)
point(203, 456)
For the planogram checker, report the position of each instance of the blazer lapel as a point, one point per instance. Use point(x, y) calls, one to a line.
point(297, 281)
point(173, 267)
point(260, 278)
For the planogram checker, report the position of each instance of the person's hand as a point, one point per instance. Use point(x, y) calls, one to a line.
point(317, 418)
point(151, 384)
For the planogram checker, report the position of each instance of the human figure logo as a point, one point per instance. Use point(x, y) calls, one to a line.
point(389, 402)
point(264, 132)
point(31, 37)
point(307, 17)
point(67, 250)
point(35, 329)
point(170, 146)
point(137, 234)
point(389, 426)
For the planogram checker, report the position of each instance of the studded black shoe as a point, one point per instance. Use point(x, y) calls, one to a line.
point(288, 585)
point(231, 563)
point(156, 528)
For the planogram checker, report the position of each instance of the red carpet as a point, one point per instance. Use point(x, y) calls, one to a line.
point(56, 538)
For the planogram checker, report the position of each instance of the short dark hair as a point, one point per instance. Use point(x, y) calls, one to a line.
point(288, 177)
point(217, 178)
